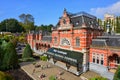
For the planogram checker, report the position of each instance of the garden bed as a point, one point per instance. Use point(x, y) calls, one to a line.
point(19, 74)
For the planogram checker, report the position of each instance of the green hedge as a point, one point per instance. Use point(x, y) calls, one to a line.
point(98, 78)
point(43, 58)
point(27, 59)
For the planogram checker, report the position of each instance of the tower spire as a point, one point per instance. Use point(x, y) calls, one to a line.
point(65, 10)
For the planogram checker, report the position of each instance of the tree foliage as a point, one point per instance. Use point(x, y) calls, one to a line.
point(26, 18)
point(27, 21)
point(117, 74)
point(1, 56)
point(10, 25)
point(14, 41)
point(10, 59)
point(114, 24)
point(118, 24)
point(7, 38)
point(27, 53)
point(44, 28)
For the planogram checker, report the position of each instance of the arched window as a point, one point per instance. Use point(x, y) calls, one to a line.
point(77, 41)
point(55, 39)
point(64, 21)
point(65, 42)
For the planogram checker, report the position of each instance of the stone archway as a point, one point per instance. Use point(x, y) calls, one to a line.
point(48, 46)
point(37, 45)
point(114, 61)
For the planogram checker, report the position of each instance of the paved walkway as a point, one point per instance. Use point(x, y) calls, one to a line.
point(108, 75)
point(30, 69)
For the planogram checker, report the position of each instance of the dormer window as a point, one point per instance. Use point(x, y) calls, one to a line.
point(77, 22)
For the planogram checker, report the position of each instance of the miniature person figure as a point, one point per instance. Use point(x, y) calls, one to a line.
point(33, 71)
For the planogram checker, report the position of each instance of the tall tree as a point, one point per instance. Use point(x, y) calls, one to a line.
point(10, 59)
point(10, 25)
point(27, 21)
point(26, 18)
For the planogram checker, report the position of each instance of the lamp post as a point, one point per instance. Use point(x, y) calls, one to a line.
point(6, 25)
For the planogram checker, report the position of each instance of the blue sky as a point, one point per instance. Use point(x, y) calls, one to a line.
point(49, 11)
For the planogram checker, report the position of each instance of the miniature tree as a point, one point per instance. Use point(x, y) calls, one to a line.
point(117, 74)
point(10, 59)
point(27, 52)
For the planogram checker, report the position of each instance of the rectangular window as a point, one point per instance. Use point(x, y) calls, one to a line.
point(102, 62)
point(93, 60)
point(55, 39)
point(77, 42)
point(98, 58)
point(93, 57)
point(101, 59)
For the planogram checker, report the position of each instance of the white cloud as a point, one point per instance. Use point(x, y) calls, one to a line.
point(111, 9)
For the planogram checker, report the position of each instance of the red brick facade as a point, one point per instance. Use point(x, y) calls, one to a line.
point(109, 56)
point(66, 36)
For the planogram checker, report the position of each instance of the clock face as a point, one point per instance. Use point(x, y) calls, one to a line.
point(65, 41)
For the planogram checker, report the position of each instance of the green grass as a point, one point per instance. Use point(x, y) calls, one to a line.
point(27, 59)
point(5, 76)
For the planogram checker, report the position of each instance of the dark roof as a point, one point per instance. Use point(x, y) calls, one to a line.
point(111, 40)
point(44, 33)
point(47, 38)
point(89, 20)
point(80, 18)
point(82, 14)
point(98, 42)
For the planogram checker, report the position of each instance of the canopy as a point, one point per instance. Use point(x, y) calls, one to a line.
point(71, 57)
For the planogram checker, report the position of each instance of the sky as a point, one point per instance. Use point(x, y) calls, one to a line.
point(48, 11)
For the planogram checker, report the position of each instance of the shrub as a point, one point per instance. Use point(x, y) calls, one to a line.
point(8, 37)
point(52, 78)
point(5, 76)
point(117, 74)
point(98, 78)
point(34, 63)
point(43, 58)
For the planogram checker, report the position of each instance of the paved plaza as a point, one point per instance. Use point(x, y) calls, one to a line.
point(49, 69)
